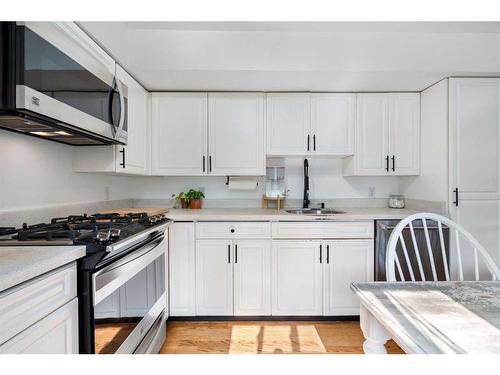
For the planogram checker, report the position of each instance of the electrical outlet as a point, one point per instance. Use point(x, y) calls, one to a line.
point(371, 192)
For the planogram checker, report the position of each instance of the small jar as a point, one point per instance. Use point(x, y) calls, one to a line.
point(396, 201)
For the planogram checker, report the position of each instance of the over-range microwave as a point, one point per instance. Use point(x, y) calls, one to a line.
point(56, 83)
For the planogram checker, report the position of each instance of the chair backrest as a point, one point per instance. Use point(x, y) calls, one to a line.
point(405, 262)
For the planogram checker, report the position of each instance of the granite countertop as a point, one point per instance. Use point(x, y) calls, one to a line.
point(266, 214)
point(437, 317)
point(21, 263)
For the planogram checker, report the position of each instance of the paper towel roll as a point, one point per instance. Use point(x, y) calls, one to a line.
point(242, 184)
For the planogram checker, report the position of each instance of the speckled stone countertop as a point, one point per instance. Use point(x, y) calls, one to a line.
point(21, 263)
point(263, 214)
point(437, 317)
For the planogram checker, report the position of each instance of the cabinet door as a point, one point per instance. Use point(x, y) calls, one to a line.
point(297, 279)
point(181, 252)
point(214, 277)
point(57, 333)
point(332, 124)
point(252, 277)
point(371, 135)
point(236, 134)
point(288, 124)
point(134, 157)
point(475, 162)
point(345, 261)
point(404, 134)
point(179, 134)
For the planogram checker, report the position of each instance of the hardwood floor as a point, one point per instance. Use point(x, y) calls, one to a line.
point(269, 337)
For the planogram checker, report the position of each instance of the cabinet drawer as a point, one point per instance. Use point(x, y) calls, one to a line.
point(57, 333)
point(27, 303)
point(233, 230)
point(334, 230)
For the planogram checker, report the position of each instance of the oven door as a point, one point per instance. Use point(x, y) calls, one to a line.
point(63, 75)
point(130, 299)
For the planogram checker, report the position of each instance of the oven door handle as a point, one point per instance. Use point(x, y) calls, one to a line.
point(110, 278)
point(136, 254)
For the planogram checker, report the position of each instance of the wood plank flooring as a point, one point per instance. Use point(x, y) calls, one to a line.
point(266, 337)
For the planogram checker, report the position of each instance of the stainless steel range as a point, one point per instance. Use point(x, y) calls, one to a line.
point(121, 281)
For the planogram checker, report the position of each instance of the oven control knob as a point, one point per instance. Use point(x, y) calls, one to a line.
point(103, 236)
point(114, 233)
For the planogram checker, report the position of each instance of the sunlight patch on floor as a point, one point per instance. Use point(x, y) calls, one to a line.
point(275, 339)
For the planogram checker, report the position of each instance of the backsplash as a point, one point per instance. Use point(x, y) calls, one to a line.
point(35, 173)
point(326, 182)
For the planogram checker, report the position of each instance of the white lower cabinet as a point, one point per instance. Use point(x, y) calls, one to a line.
point(345, 261)
point(182, 269)
point(297, 278)
point(214, 272)
point(57, 333)
point(252, 277)
point(214, 277)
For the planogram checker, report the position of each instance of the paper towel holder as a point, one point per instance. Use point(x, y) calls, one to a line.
point(227, 180)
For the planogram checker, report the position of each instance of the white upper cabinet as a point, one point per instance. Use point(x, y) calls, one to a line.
point(288, 124)
point(387, 136)
point(332, 124)
point(236, 134)
point(179, 134)
point(134, 158)
point(404, 134)
point(198, 134)
point(310, 124)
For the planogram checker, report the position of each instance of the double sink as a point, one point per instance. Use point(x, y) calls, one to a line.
point(315, 211)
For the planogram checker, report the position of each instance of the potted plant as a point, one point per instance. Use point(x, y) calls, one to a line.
point(180, 200)
point(194, 197)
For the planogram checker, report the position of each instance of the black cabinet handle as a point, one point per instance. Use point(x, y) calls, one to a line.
point(387, 163)
point(203, 163)
point(123, 157)
point(210, 163)
point(314, 142)
point(236, 253)
point(456, 197)
point(320, 253)
point(393, 163)
point(327, 254)
point(229, 254)
point(308, 142)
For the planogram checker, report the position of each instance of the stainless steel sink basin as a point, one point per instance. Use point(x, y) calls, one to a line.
point(315, 211)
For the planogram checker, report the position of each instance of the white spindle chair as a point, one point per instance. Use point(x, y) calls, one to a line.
point(456, 232)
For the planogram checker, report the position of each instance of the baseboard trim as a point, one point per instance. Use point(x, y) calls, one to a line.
point(312, 318)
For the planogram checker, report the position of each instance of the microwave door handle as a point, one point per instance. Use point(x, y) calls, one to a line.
point(111, 96)
point(122, 110)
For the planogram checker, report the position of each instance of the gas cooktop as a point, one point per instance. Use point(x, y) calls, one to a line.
point(97, 232)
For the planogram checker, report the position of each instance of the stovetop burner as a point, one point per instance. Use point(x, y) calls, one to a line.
point(97, 230)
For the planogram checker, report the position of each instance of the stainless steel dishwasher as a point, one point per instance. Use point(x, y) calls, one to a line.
point(383, 230)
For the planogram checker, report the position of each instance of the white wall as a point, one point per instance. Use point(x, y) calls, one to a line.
point(432, 184)
point(326, 182)
point(36, 173)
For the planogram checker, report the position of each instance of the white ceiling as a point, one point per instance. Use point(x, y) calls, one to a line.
point(299, 56)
